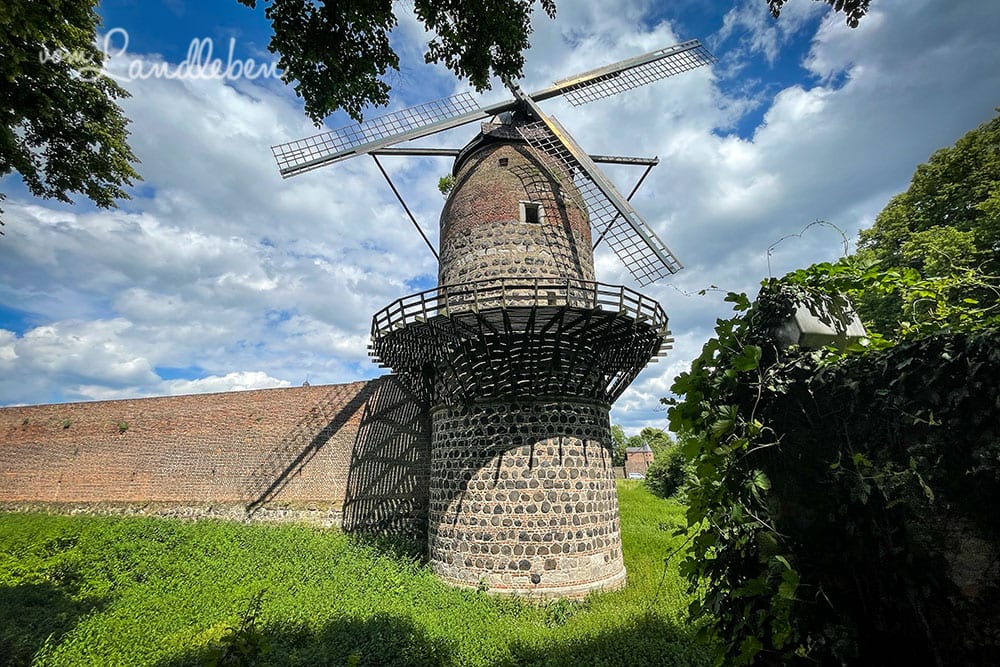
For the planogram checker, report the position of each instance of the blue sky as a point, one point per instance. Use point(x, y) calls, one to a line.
point(219, 275)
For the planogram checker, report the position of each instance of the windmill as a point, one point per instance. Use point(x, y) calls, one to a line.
point(611, 216)
point(518, 353)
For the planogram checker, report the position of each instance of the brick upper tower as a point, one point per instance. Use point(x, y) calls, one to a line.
point(519, 355)
point(508, 215)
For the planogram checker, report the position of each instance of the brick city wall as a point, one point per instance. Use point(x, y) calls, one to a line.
point(353, 454)
point(637, 462)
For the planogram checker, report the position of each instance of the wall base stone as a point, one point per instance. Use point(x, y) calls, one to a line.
point(315, 515)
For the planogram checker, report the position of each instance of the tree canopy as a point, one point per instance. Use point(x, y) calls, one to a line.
point(475, 39)
point(657, 439)
point(60, 126)
point(853, 9)
point(945, 227)
point(951, 212)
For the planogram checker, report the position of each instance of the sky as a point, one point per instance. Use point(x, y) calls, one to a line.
point(218, 275)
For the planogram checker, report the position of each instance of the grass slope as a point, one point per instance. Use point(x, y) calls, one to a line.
point(107, 591)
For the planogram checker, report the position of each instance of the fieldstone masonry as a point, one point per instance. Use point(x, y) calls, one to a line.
point(523, 497)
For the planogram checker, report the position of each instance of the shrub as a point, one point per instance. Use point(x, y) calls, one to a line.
point(833, 487)
point(668, 472)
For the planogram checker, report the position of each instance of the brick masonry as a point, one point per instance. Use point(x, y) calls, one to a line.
point(482, 235)
point(353, 454)
point(637, 462)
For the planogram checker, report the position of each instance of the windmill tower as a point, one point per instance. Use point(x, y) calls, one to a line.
point(518, 352)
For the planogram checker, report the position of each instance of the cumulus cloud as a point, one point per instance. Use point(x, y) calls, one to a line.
point(753, 30)
point(220, 266)
point(239, 381)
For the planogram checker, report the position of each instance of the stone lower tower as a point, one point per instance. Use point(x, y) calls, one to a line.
point(519, 355)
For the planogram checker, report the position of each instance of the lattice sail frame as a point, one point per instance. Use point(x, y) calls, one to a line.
point(300, 156)
point(605, 218)
point(629, 236)
point(618, 78)
point(302, 152)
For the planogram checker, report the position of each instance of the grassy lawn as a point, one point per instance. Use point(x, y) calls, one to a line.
point(106, 591)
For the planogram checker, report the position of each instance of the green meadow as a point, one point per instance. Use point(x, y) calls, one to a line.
point(80, 590)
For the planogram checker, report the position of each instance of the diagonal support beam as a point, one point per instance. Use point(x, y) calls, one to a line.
point(635, 188)
point(405, 207)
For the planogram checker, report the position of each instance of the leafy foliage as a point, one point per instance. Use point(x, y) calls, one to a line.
point(833, 488)
point(853, 9)
point(618, 445)
point(825, 480)
point(244, 644)
point(668, 473)
point(657, 439)
point(908, 304)
point(338, 53)
point(60, 126)
point(944, 228)
point(446, 184)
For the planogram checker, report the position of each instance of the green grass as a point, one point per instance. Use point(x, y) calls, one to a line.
point(108, 591)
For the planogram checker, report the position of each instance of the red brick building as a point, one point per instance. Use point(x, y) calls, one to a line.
point(637, 461)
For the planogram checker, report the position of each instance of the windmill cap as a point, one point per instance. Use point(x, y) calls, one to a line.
point(499, 129)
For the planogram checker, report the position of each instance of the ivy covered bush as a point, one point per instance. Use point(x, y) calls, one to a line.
point(843, 503)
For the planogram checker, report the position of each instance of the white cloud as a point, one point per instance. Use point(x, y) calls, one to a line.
point(240, 381)
point(7, 340)
point(220, 265)
point(749, 24)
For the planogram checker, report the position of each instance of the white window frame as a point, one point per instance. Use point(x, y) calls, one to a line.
point(523, 206)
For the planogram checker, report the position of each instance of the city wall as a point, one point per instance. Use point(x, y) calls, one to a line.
point(353, 455)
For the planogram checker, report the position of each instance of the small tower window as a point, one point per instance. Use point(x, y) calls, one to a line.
point(532, 212)
point(502, 162)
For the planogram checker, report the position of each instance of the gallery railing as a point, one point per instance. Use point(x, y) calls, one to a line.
point(448, 300)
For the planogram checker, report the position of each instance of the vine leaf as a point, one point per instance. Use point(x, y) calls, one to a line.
point(749, 358)
point(789, 583)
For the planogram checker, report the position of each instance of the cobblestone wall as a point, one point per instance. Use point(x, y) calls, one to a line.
point(523, 497)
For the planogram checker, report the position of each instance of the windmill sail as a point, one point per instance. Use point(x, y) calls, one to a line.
point(296, 157)
point(638, 247)
point(632, 73)
point(302, 155)
point(611, 216)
